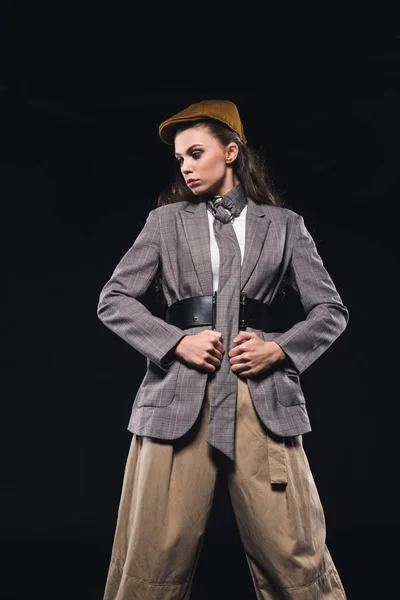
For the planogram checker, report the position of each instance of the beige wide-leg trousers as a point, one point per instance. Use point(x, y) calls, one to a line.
point(166, 500)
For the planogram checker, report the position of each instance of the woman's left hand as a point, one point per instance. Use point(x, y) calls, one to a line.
point(252, 355)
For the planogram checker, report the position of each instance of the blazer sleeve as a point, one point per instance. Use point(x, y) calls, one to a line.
point(120, 307)
point(326, 315)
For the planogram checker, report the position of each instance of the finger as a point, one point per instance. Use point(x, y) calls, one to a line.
point(209, 363)
point(216, 334)
point(244, 369)
point(217, 354)
point(237, 351)
point(240, 369)
point(248, 373)
point(213, 360)
point(219, 346)
point(243, 336)
point(236, 359)
point(244, 375)
point(207, 367)
point(240, 360)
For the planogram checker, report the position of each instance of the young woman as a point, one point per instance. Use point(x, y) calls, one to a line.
point(221, 390)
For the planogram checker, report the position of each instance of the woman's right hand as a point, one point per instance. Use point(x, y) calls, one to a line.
point(203, 350)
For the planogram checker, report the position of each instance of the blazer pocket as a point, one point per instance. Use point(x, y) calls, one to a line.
point(288, 387)
point(158, 386)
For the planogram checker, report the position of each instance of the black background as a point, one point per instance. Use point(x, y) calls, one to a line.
point(81, 98)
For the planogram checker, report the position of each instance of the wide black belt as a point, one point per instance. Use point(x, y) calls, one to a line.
point(202, 311)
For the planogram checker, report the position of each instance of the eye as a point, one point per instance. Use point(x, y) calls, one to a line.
point(196, 154)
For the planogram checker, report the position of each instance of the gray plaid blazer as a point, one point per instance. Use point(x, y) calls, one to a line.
point(177, 237)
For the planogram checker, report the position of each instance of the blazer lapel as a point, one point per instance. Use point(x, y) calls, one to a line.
point(257, 225)
point(195, 224)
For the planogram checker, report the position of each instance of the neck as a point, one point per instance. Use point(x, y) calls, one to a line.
point(228, 185)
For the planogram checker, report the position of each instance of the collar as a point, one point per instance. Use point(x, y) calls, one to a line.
point(234, 200)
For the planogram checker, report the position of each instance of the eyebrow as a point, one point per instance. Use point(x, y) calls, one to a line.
point(190, 149)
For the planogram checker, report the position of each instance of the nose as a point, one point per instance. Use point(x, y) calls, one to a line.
point(186, 167)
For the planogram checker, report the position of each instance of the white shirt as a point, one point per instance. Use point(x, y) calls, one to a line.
point(239, 225)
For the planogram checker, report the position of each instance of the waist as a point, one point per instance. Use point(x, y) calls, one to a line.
point(200, 311)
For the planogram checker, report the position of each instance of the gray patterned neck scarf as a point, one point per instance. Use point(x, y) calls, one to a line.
point(234, 202)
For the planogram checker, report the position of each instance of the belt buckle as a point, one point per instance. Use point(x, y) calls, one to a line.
point(242, 311)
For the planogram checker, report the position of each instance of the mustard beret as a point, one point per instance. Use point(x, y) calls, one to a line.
point(224, 111)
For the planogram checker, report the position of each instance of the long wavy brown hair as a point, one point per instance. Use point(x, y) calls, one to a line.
point(251, 169)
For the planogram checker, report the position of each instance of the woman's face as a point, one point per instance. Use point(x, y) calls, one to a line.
point(204, 163)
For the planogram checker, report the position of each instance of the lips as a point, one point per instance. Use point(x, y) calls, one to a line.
point(191, 182)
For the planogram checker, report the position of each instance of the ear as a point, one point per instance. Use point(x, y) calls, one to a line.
point(231, 152)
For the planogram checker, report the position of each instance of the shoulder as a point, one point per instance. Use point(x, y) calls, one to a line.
point(160, 214)
point(170, 213)
point(278, 213)
point(169, 209)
